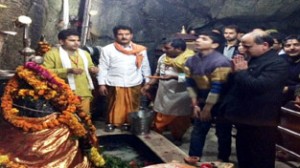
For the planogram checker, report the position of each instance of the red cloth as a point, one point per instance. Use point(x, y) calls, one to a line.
point(47, 148)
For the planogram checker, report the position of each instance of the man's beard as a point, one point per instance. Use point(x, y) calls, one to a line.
point(123, 42)
point(71, 48)
point(231, 39)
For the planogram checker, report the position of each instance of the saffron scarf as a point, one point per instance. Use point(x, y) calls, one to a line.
point(180, 60)
point(136, 50)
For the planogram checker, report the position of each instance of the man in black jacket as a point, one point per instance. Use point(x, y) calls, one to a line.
point(252, 101)
point(292, 56)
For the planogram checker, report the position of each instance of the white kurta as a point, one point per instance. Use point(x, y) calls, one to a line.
point(172, 97)
point(118, 69)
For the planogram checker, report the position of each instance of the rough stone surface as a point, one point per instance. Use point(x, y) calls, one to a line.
point(9, 57)
point(151, 20)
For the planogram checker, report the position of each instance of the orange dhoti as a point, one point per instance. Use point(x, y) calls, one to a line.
point(121, 102)
point(177, 124)
point(42, 149)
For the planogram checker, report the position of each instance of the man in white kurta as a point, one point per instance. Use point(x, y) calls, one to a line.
point(123, 67)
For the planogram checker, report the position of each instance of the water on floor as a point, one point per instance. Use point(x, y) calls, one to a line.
point(128, 148)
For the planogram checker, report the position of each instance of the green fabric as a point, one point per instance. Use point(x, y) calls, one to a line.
point(53, 62)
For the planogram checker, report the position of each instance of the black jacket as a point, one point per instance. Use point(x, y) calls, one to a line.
point(254, 95)
point(293, 77)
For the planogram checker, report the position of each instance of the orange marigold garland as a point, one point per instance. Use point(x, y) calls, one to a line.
point(43, 46)
point(47, 85)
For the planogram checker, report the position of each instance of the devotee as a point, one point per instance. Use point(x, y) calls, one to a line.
point(206, 73)
point(217, 29)
point(172, 102)
point(73, 65)
point(253, 100)
point(297, 95)
point(123, 67)
point(241, 32)
point(278, 40)
point(292, 49)
point(232, 43)
point(242, 52)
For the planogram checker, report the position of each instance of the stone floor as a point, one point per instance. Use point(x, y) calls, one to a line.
point(210, 150)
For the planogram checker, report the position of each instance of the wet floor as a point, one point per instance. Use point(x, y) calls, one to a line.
point(210, 149)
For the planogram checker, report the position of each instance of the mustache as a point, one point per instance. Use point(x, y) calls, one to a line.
point(292, 51)
point(124, 39)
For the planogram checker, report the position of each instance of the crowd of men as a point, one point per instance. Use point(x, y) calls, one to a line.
point(231, 78)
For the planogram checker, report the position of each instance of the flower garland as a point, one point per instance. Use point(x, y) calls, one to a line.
point(54, 89)
point(96, 157)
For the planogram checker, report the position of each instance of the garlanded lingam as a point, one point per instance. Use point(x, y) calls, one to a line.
point(45, 117)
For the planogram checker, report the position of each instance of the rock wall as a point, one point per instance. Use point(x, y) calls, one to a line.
point(45, 15)
point(151, 20)
point(9, 57)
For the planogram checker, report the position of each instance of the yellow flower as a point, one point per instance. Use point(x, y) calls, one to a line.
point(31, 93)
point(22, 92)
point(4, 159)
point(14, 110)
point(96, 158)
